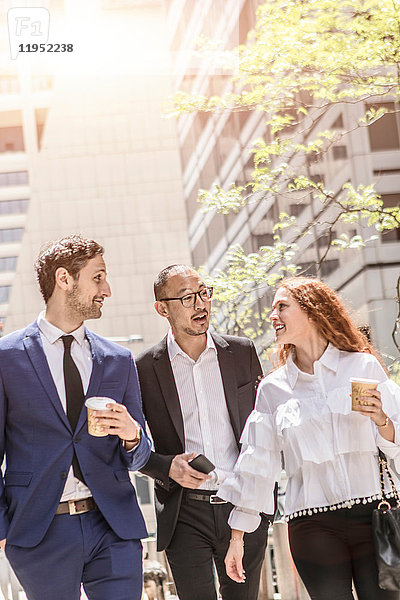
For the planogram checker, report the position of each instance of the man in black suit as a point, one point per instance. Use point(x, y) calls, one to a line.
point(198, 390)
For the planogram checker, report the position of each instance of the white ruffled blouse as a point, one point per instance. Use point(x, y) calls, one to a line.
point(329, 451)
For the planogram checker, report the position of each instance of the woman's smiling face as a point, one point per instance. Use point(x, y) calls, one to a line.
point(289, 320)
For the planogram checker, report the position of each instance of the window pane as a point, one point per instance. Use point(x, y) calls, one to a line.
point(11, 139)
point(8, 207)
point(15, 178)
point(8, 264)
point(388, 201)
point(339, 152)
point(384, 133)
point(11, 235)
point(4, 293)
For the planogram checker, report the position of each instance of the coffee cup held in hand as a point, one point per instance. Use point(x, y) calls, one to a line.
point(96, 403)
point(358, 388)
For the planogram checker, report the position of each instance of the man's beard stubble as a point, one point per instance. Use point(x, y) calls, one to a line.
point(77, 308)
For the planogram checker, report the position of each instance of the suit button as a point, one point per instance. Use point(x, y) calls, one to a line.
point(63, 475)
point(76, 440)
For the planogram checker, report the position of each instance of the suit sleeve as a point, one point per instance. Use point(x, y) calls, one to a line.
point(138, 457)
point(158, 467)
point(4, 522)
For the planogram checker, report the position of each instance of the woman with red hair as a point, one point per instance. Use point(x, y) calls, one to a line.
point(303, 411)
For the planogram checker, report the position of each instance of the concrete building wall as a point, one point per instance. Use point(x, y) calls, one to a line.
point(216, 149)
point(108, 167)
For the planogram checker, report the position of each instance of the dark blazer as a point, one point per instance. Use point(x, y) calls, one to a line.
point(240, 371)
point(38, 441)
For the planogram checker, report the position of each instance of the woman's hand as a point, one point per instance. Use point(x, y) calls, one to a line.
point(234, 557)
point(371, 406)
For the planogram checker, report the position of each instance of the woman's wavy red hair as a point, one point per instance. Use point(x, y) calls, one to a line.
point(329, 315)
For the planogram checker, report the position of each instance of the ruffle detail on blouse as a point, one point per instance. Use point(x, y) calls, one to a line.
point(258, 467)
point(259, 432)
point(319, 432)
point(333, 507)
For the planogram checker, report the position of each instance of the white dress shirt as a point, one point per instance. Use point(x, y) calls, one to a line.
point(207, 425)
point(330, 451)
point(53, 347)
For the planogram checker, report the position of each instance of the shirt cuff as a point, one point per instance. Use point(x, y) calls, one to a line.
point(244, 520)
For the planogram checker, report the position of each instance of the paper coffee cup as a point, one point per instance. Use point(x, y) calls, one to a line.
point(358, 387)
point(92, 404)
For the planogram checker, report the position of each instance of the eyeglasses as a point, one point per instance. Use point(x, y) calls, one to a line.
point(190, 299)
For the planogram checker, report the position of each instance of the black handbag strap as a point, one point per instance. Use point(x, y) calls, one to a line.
point(384, 467)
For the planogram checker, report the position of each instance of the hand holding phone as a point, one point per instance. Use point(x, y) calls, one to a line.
point(202, 464)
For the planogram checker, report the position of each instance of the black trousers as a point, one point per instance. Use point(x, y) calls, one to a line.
point(331, 549)
point(202, 535)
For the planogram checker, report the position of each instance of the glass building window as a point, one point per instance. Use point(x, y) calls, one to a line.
point(40, 118)
point(325, 238)
point(339, 152)
point(227, 138)
point(390, 200)
point(4, 293)
point(11, 235)
point(8, 264)
point(9, 84)
point(295, 209)
point(264, 239)
point(317, 178)
point(247, 20)
point(14, 178)
point(12, 139)
point(384, 134)
point(338, 124)
point(200, 253)
point(310, 268)
point(215, 231)
point(192, 205)
point(14, 207)
point(209, 171)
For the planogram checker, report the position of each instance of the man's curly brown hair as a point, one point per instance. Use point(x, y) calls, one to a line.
point(71, 252)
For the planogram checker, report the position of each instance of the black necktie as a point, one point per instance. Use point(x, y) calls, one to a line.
point(73, 393)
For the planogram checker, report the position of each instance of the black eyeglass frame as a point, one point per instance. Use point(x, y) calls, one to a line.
point(208, 288)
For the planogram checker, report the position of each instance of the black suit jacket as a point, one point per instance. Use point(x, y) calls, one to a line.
point(240, 371)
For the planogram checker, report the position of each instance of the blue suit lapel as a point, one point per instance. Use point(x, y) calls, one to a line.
point(96, 375)
point(34, 349)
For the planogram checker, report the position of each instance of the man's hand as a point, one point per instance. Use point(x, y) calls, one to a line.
point(3, 544)
point(181, 472)
point(118, 421)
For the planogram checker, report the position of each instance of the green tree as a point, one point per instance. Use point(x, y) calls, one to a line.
point(303, 58)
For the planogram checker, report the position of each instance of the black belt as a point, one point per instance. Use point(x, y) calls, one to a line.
point(76, 507)
point(205, 496)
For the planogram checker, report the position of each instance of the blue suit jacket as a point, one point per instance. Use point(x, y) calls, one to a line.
point(38, 442)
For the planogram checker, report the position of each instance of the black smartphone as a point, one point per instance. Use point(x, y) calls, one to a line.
point(202, 464)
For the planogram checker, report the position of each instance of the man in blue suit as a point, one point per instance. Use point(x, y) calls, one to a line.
point(68, 511)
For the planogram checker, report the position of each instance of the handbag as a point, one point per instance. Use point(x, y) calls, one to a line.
point(386, 533)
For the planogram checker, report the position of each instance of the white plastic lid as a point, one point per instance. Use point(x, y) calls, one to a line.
point(99, 402)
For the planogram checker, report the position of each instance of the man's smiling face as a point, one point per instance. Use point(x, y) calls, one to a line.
point(191, 321)
point(85, 299)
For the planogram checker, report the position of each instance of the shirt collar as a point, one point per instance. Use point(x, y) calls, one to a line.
point(53, 333)
point(329, 359)
point(174, 348)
